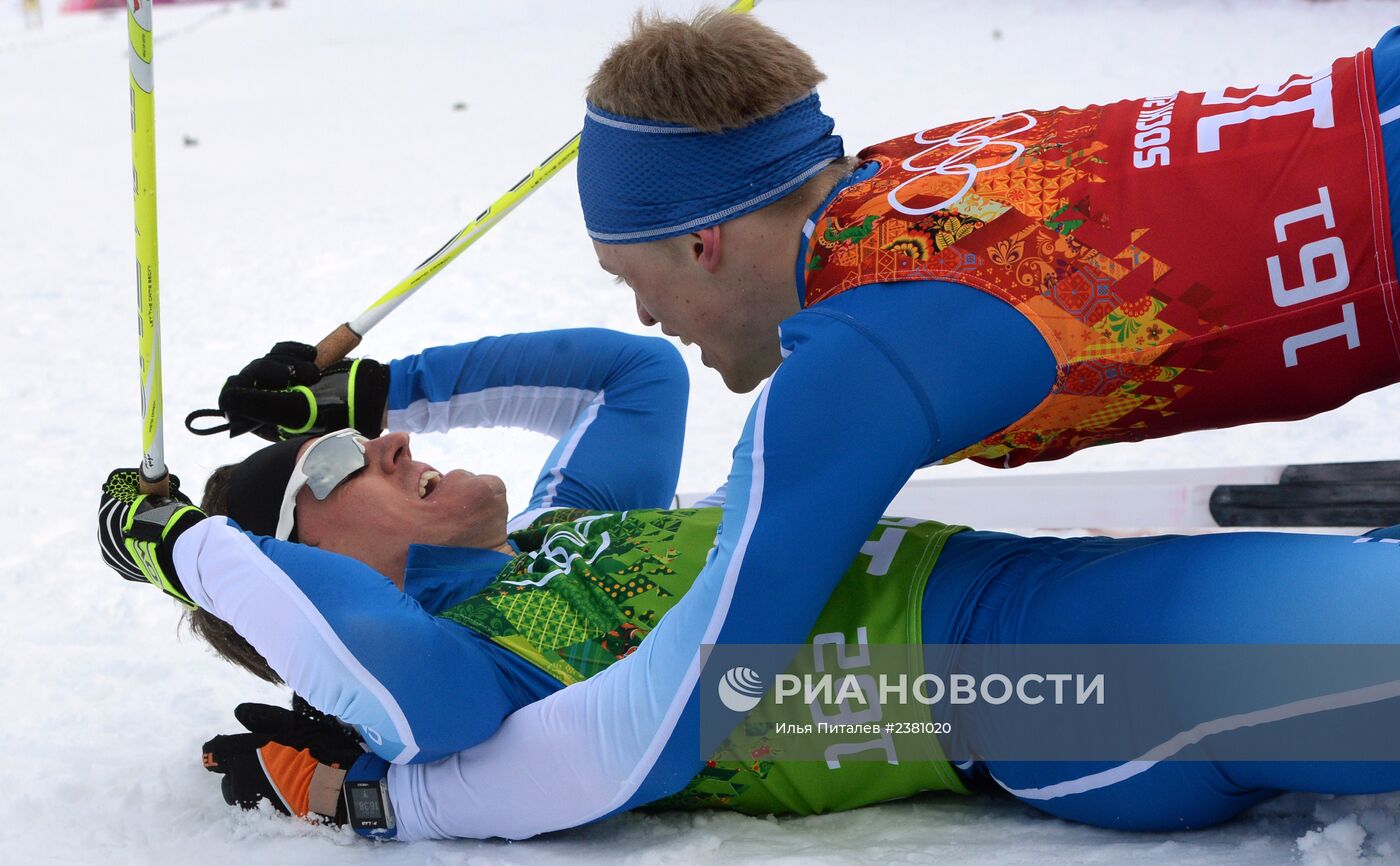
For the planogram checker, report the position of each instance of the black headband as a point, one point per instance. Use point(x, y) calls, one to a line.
point(257, 485)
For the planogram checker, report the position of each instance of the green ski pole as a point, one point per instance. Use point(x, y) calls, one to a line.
point(155, 478)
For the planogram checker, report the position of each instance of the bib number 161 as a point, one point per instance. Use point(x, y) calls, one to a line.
point(1328, 250)
point(1306, 226)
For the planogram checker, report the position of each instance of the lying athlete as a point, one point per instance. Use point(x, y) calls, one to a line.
point(412, 609)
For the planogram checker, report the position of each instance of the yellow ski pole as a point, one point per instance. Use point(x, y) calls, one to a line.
point(155, 478)
point(343, 340)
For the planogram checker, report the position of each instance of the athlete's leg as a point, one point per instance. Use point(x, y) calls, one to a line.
point(1172, 795)
point(1245, 587)
point(1265, 588)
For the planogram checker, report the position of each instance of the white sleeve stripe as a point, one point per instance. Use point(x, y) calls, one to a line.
point(715, 499)
point(712, 630)
point(254, 566)
point(186, 557)
point(525, 518)
point(567, 452)
point(548, 409)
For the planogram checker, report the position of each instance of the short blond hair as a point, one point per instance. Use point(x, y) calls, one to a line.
point(718, 71)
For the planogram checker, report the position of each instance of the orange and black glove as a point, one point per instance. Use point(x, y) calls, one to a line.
point(296, 759)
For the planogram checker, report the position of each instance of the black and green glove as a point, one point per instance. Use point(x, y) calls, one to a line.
point(283, 394)
point(295, 759)
point(137, 531)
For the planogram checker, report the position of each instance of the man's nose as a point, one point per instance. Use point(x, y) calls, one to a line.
point(645, 315)
point(388, 450)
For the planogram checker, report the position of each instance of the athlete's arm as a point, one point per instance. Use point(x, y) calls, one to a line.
point(419, 687)
point(978, 363)
point(615, 402)
point(415, 686)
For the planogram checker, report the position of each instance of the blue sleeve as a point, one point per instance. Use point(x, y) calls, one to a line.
point(615, 402)
point(977, 363)
point(415, 686)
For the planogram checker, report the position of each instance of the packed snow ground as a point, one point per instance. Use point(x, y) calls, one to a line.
point(310, 156)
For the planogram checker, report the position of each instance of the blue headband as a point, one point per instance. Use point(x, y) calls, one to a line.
point(643, 180)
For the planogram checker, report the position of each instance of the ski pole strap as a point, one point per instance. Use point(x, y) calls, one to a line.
point(206, 413)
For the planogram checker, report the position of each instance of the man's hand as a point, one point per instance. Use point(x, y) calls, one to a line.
point(282, 394)
point(295, 759)
point(138, 532)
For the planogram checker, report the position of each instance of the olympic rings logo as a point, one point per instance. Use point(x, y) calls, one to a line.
point(969, 142)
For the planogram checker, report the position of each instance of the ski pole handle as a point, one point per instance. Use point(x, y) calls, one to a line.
point(336, 345)
point(154, 477)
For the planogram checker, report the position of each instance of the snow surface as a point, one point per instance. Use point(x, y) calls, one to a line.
point(310, 156)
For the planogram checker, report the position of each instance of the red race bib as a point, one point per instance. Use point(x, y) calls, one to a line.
point(1194, 261)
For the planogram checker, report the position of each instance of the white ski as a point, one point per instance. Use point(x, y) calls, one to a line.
point(1350, 495)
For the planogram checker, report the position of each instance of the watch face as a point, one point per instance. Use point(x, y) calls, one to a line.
point(364, 805)
point(368, 806)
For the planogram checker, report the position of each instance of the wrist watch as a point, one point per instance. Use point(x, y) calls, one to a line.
point(366, 791)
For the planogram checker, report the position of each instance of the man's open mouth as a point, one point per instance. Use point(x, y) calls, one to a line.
point(428, 482)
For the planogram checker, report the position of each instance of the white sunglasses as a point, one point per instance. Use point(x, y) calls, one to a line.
point(323, 467)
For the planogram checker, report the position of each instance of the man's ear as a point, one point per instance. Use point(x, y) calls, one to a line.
point(707, 248)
